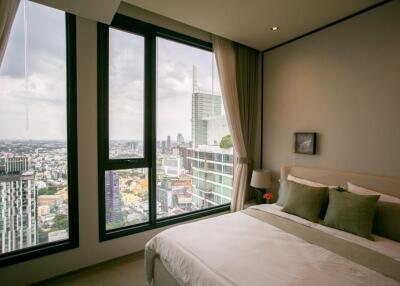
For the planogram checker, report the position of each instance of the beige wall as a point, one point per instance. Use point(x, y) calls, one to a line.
point(344, 83)
point(91, 251)
point(161, 21)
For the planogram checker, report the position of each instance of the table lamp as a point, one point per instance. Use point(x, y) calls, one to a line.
point(260, 180)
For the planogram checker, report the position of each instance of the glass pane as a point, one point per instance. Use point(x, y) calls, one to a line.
point(33, 130)
point(126, 197)
point(126, 95)
point(194, 149)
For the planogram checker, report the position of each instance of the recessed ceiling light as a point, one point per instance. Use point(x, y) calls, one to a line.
point(274, 28)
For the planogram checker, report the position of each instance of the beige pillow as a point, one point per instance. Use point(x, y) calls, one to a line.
point(363, 191)
point(307, 182)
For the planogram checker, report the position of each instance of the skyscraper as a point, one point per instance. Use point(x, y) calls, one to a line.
point(113, 199)
point(204, 106)
point(179, 139)
point(18, 198)
point(169, 143)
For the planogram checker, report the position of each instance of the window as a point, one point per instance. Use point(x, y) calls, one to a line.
point(126, 95)
point(38, 172)
point(161, 122)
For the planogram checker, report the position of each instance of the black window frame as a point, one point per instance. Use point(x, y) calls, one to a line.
point(151, 33)
point(44, 249)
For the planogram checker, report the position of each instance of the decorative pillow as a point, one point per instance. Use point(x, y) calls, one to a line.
point(351, 212)
point(305, 201)
point(306, 182)
point(283, 192)
point(387, 220)
point(364, 191)
point(387, 214)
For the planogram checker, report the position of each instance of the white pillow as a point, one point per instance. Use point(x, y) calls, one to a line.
point(363, 191)
point(307, 182)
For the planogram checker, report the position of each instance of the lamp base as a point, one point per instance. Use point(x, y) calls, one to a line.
point(259, 196)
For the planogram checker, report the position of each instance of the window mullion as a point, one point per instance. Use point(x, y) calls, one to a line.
point(151, 83)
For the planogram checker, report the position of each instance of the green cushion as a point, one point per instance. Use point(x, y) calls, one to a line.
point(386, 220)
point(351, 212)
point(304, 201)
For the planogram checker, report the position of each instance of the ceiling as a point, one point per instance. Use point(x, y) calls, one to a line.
point(249, 21)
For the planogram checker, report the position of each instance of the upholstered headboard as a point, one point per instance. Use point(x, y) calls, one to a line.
point(385, 185)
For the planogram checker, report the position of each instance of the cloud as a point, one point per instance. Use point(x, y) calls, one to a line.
point(35, 107)
point(43, 100)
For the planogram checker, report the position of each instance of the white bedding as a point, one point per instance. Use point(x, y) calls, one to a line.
point(237, 249)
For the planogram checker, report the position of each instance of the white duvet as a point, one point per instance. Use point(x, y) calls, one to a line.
point(237, 249)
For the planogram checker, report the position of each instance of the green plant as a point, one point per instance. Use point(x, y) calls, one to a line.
point(226, 142)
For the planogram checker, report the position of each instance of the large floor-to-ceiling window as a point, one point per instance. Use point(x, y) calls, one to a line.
point(165, 152)
point(38, 201)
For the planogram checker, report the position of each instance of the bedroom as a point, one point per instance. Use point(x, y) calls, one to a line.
point(332, 70)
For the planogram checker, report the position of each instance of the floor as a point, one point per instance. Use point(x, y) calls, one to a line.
point(127, 270)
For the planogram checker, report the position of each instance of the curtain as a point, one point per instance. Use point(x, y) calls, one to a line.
point(8, 9)
point(247, 82)
point(238, 78)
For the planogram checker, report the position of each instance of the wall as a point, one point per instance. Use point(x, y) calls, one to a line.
point(344, 83)
point(161, 21)
point(91, 251)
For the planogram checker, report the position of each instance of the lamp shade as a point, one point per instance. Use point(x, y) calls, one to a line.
point(261, 179)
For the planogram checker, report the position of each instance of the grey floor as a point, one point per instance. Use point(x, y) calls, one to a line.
point(127, 270)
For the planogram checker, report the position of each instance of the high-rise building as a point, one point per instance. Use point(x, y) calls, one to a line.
point(204, 106)
point(163, 147)
point(11, 164)
point(211, 173)
point(169, 143)
point(179, 139)
point(18, 198)
point(113, 198)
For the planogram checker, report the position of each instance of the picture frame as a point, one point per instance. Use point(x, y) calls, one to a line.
point(305, 143)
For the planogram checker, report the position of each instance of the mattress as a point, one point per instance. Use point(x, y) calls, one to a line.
point(265, 246)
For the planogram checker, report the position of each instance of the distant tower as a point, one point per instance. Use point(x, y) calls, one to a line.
point(204, 106)
point(169, 143)
point(179, 139)
point(112, 196)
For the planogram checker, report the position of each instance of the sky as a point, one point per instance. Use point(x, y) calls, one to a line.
point(34, 107)
point(41, 97)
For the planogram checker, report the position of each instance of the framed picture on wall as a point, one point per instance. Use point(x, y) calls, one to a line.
point(305, 143)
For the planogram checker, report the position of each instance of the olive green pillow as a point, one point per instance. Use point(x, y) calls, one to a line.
point(304, 201)
point(386, 220)
point(351, 212)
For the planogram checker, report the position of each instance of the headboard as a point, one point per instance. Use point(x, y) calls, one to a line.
point(385, 185)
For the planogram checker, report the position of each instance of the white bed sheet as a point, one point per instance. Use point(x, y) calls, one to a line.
point(237, 249)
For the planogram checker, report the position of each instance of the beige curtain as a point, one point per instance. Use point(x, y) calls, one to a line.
point(226, 61)
point(8, 9)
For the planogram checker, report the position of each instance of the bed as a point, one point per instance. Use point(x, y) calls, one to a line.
point(264, 246)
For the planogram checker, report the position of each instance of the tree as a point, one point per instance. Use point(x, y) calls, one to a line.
point(60, 222)
point(47, 191)
point(226, 142)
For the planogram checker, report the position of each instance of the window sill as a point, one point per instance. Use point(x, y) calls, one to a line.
point(120, 232)
point(36, 252)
